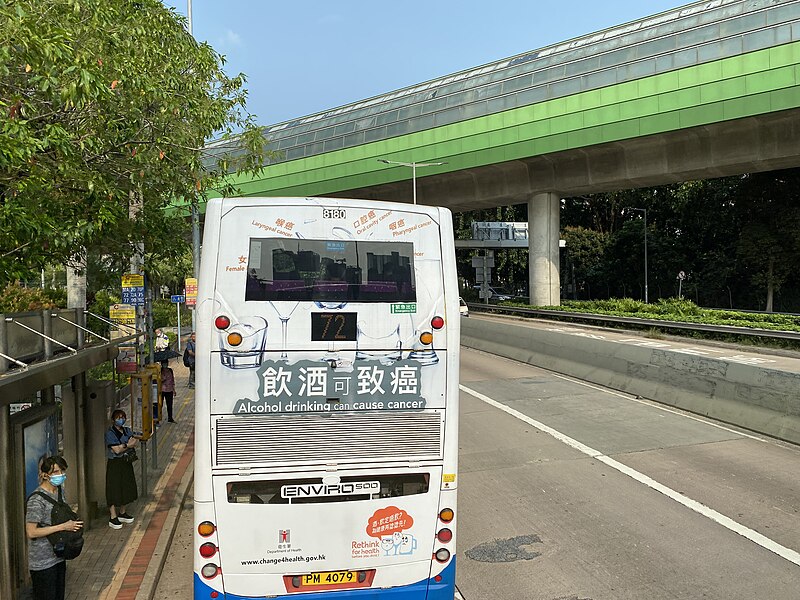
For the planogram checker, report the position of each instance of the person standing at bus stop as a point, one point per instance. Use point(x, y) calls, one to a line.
point(167, 388)
point(48, 571)
point(161, 341)
point(189, 358)
point(120, 479)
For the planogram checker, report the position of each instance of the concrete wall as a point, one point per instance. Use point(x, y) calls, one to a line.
point(754, 397)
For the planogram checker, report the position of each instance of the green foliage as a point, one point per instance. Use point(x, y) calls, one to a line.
point(677, 310)
point(768, 240)
point(103, 371)
point(105, 106)
point(171, 273)
point(15, 298)
point(100, 305)
point(165, 315)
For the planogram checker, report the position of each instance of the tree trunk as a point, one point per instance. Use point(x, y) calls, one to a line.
point(76, 284)
point(770, 285)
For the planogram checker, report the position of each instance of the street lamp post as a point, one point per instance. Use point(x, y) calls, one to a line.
point(644, 212)
point(413, 166)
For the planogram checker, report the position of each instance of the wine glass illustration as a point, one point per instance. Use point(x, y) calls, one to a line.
point(383, 347)
point(284, 314)
point(340, 233)
point(332, 285)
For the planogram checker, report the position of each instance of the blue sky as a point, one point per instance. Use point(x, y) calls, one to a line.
point(306, 56)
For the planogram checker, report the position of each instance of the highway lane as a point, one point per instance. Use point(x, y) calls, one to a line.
point(541, 519)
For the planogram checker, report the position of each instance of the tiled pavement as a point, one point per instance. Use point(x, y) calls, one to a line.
point(125, 564)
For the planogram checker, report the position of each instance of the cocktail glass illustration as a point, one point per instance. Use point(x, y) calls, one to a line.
point(384, 347)
point(242, 343)
point(284, 311)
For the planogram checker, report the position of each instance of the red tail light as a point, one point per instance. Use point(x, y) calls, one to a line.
point(444, 535)
point(437, 322)
point(222, 322)
point(208, 550)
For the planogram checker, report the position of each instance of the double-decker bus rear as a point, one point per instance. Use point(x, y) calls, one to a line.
point(327, 401)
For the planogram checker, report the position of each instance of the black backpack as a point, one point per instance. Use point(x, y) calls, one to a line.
point(188, 359)
point(66, 544)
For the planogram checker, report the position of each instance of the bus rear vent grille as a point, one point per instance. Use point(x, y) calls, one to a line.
point(346, 437)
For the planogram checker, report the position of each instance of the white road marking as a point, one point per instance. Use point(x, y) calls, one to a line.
point(458, 596)
point(763, 541)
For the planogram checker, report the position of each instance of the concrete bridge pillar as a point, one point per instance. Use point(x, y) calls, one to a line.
point(543, 233)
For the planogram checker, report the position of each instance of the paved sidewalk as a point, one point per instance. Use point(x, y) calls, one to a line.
point(125, 564)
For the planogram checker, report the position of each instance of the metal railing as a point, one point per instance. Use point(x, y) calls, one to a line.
point(635, 321)
point(30, 337)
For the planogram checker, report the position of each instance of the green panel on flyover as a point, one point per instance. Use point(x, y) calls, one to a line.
point(741, 86)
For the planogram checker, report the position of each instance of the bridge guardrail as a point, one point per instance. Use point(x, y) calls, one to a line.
point(596, 318)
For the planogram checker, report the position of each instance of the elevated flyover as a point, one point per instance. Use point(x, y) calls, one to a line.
point(705, 90)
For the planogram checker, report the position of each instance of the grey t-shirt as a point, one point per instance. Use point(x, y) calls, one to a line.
point(40, 550)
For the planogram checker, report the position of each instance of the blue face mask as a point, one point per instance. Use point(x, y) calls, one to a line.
point(120, 422)
point(57, 480)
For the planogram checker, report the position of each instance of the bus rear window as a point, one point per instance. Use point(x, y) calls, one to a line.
point(313, 491)
point(330, 271)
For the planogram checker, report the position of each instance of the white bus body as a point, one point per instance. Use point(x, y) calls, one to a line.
point(326, 401)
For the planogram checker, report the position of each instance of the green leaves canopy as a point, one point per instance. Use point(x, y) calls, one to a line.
point(102, 100)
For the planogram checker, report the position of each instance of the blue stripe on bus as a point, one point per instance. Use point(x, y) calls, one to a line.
point(427, 589)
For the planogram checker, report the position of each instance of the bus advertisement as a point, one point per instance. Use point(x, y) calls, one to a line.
point(326, 398)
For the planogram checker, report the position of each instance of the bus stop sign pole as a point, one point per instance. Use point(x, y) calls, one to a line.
point(177, 300)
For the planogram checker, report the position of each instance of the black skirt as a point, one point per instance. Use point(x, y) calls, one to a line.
point(120, 482)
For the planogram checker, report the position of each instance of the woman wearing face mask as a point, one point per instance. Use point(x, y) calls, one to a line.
point(48, 571)
point(120, 480)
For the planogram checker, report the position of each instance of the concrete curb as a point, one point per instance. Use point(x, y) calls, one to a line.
point(148, 586)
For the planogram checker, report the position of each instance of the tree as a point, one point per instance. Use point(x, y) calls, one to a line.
point(585, 249)
point(769, 241)
point(102, 101)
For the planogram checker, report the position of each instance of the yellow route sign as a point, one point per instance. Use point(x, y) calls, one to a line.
point(122, 313)
point(191, 291)
point(132, 280)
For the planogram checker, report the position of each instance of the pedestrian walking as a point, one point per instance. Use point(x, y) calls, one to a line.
point(120, 480)
point(167, 388)
point(48, 571)
point(189, 357)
